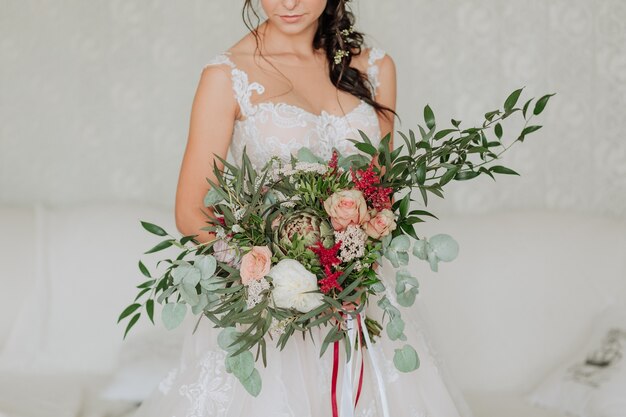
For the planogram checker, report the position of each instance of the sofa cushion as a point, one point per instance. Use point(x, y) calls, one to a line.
point(522, 293)
point(20, 253)
point(593, 382)
point(88, 275)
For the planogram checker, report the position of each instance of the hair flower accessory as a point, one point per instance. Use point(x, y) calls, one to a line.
point(339, 55)
point(342, 53)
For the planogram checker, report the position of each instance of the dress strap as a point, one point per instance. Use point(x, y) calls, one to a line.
point(372, 68)
point(242, 87)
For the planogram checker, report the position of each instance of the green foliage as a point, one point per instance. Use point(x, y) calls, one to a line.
point(406, 359)
point(278, 206)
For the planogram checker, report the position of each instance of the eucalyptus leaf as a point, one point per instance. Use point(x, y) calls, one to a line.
point(395, 328)
point(241, 365)
point(227, 337)
point(306, 155)
point(407, 298)
point(188, 293)
point(207, 264)
point(212, 197)
point(444, 245)
point(253, 383)
point(397, 252)
point(173, 315)
point(406, 359)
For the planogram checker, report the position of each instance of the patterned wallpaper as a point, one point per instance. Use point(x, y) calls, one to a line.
point(96, 95)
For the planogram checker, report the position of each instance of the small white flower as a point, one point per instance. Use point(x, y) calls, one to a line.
point(220, 233)
point(292, 282)
point(277, 327)
point(239, 213)
point(255, 288)
point(236, 228)
point(358, 265)
point(352, 243)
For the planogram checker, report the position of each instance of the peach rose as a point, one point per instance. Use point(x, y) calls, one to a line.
point(345, 208)
point(255, 264)
point(380, 224)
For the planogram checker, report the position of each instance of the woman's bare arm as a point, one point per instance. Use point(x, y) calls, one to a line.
point(386, 95)
point(213, 113)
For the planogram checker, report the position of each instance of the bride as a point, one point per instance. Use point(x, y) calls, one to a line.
point(301, 78)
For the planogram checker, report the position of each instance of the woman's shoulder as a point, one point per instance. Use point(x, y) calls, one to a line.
point(371, 57)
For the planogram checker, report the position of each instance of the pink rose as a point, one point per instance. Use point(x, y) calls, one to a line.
point(345, 208)
point(380, 224)
point(255, 264)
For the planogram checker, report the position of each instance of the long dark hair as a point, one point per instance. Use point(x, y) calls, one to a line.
point(336, 18)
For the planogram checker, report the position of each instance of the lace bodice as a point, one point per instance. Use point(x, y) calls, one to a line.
point(280, 129)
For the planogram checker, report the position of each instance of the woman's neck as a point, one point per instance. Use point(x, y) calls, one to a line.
point(277, 43)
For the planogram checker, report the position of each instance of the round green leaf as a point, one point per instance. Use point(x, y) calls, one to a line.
point(444, 246)
point(395, 328)
point(407, 299)
point(187, 273)
point(189, 294)
point(207, 265)
point(212, 197)
point(406, 359)
point(241, 365)
point(253, 383)
point(173, 314)
point(227, 337)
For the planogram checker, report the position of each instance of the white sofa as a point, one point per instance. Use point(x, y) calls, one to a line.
point(516, 302)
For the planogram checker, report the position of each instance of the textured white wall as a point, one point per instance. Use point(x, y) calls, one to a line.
point(95, 96)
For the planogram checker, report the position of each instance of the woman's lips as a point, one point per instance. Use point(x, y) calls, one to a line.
point(291, 18)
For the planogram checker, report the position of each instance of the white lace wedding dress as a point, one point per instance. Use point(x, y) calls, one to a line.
point(297, 382)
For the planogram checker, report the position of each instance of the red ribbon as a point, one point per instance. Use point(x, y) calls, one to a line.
point(333, 388)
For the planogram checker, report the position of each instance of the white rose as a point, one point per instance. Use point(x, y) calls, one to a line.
point(291, 281)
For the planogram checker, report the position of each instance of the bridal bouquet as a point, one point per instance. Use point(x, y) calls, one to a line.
point(297, 243)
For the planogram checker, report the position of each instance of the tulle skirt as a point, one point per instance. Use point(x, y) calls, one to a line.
point(297, 381)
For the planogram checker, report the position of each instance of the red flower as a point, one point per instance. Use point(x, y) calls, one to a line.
point(332, 164)
point(328, 257)
point(330, 281)
point(368, 183)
